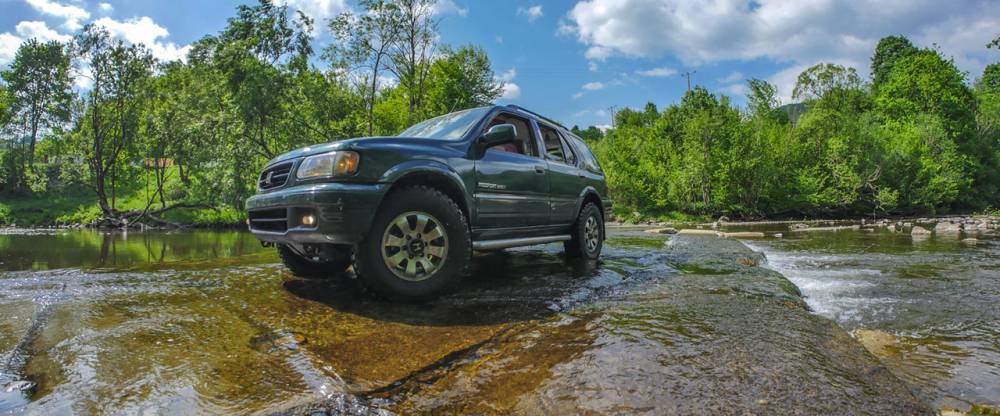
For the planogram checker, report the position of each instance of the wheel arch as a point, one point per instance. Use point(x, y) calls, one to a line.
point(428, 173)
point(589, 194)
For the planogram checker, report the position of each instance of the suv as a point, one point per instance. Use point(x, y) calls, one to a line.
point(409, 210)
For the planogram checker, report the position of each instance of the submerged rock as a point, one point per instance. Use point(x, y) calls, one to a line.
point(664, 230)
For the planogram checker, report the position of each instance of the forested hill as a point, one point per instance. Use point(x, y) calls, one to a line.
point(183, 141)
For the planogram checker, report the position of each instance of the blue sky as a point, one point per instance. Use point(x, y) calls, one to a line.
point(573, 60)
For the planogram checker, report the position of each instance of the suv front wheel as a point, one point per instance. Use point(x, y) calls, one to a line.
point(587, 234)
point(418, 247)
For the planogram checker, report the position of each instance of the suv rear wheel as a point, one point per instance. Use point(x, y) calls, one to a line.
point(587, 233)
point(303, 267)
point(418, 246)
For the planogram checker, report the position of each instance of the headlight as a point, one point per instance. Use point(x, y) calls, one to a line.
point(328, 164)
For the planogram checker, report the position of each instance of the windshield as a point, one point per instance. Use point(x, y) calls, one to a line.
point(447, 127)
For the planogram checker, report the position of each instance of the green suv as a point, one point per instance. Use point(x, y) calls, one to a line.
point(408, 211)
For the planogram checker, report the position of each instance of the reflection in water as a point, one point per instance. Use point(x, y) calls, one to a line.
point(89, 249)
point(929, 308)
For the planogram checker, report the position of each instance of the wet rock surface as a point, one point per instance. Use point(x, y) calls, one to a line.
point(695, 325)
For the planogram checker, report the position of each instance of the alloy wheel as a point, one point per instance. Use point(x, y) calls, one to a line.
point(414, 246)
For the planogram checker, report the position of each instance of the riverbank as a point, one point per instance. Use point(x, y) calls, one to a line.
point(213, 325)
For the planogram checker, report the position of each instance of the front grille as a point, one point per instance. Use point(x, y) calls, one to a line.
point(274, 176)
point(272, 219)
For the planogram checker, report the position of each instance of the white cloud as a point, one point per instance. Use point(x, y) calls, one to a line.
point(106, 8)
point(731, 78)
point(9, 42)
point(449, 7)
point(532, 13)
point(507, 75)
point(735, 89)
point(8, 47)
point(72, 15)
point(511, 91)
point(658, 72)
point(593, 86)
point(592, 66)
point(319, 10)
point(499, 39)
point(803, 32)
point(577, 95)
point(40, 31)
point(145, 31)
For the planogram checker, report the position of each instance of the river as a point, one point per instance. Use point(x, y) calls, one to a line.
point(929, 308)
point(208, 322)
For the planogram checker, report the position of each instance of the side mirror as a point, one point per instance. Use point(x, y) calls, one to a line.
point(499, 134)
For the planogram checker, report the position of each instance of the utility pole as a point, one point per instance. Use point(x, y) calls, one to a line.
point(688, 76)
point(612, 109)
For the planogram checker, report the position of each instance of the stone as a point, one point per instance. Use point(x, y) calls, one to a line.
point(918, 230)
point(692, 231)
point(743, 234)
point(665, 230)
point(947, 228)
point(970, 241)
point(778, 235)
point(799, 226)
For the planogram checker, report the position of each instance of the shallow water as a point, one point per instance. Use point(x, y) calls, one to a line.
point(210, 323)
point(928, 308)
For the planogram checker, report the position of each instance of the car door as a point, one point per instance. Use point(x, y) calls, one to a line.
point(511, 190)
point(565, 184)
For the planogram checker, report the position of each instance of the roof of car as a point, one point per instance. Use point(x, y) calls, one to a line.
point(532, 114)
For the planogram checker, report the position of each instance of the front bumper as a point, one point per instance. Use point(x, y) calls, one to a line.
point(343, 213)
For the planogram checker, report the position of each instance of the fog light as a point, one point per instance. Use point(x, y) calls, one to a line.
point(308, 219)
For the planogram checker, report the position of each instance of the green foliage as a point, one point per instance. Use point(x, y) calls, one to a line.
point(922, 142)
point(889, 50)
point(462, 78)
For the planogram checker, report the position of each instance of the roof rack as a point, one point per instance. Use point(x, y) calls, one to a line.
point(519, 108)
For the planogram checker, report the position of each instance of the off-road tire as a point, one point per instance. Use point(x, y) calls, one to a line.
point(577, 246)
point(371, 268)
point(302, 267)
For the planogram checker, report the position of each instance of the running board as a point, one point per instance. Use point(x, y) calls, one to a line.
point(517, 242)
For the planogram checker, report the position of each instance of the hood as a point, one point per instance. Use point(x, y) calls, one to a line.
point(359, 143)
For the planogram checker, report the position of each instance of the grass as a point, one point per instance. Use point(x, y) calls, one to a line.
point(79, 205)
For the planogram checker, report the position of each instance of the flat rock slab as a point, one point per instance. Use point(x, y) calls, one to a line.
point(719, 336)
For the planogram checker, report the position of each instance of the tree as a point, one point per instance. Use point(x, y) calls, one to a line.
point(990, 81)
point(825, 78)
point(591, 134)
point(366, 40)
point(462, 78)
point(889, 50)
point(110, 126)
point(40, 87)
point(411, 56)
point(762, 99)
point(994, 44)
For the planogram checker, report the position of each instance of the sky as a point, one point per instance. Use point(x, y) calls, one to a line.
point(576, 60)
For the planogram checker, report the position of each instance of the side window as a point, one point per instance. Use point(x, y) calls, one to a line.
point(524, 143)
point(553, 144)
point(568, 152)
point(586, 156)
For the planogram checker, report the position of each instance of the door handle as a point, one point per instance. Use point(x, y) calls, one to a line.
point(539, 169)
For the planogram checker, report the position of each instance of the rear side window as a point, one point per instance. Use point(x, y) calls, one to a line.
point(587, 159)
point(568, 152)
point(553, 144)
